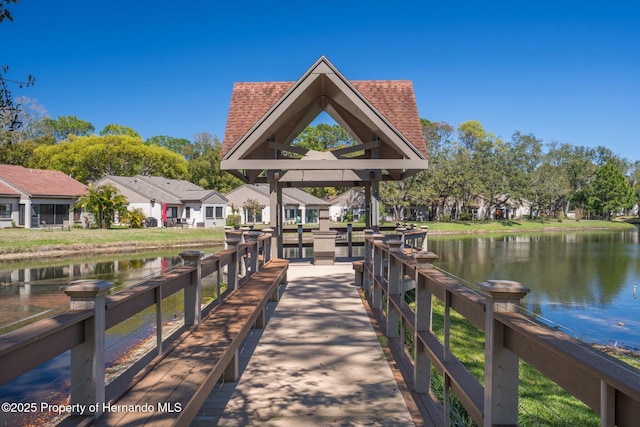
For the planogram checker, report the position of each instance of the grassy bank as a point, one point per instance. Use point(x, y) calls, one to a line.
point(16, 243)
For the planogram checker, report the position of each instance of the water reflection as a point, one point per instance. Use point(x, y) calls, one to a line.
point(33, 288)
point(581, 280)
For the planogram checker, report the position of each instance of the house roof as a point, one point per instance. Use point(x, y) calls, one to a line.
point(381, 115)
point(290, 196)
point(41, 182)
point(353, 197)
point(172, 191)
point(7, 190)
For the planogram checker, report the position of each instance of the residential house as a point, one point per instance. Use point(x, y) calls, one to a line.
point(350, 203)
point(298, 206)
point(32, 198)
point(170, 202)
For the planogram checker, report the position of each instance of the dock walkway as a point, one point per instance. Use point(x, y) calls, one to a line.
point(317, 363)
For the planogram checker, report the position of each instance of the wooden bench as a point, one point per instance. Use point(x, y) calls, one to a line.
point(179, 384)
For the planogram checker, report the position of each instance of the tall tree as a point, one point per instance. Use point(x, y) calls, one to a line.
point(88, 158)
point(324, 137)
point(114, 129)
point(610, 191)
point(64, 126)
point(177, 145)
point(103, 203)
point(204, 165)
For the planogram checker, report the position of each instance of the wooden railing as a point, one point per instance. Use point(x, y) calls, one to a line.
point(351, 236)
point(608, 386)
point(82, 329)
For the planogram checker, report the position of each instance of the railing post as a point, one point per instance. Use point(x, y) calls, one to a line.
point(501, 365)
point(88, 358)
point(193, 292)
point(423, 322)
point(253, 236)
point(425, 229)
point(394, 287)
point(300, 250)
point(378, 268)
point(350, 240)
point(401, 231)
point(366, 277)
point(266, 252)
point(232, 268)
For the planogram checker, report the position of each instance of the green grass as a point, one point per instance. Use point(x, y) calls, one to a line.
point(18, 240)
point(541, 401)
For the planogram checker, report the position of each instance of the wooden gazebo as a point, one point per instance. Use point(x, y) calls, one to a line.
point(265, 118)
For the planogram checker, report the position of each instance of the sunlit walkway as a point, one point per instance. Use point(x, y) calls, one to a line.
point(317, 363)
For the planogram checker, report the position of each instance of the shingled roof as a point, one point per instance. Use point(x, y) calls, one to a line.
point(395, 99)
point(40, 182)
point(381, 115)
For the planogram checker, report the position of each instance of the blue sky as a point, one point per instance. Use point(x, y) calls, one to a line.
point(565, 71)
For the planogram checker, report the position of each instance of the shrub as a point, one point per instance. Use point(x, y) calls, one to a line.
point(233, 220)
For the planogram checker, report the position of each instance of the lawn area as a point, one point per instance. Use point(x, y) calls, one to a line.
point(17, 240)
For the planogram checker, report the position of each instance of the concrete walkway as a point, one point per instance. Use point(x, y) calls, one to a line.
point(318, 362)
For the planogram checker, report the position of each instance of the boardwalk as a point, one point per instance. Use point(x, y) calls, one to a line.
point(317, 363)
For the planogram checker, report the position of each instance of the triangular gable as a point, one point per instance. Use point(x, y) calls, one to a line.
point(382, 116)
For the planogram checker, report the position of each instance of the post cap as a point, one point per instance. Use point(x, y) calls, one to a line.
point(504, 289)
point(87, 288)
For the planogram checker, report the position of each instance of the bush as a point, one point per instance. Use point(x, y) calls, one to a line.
point(135, 218)
point(234, 220)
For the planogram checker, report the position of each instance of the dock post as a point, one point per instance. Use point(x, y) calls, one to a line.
point(266, 252)
point(378, 269)
point(232, 268)
point(193, 292)
point(394, 287)
point(253, 236)
point(423, 322)
point(88, 358)
point(501, 365)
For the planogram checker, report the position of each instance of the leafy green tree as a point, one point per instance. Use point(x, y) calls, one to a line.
point(103, 203)
point(204, 166)
point(177, 145)
point(114, 129)
point(324, 137)
point(64, 126)
point(18, 144)
point(252, 208)
point(610, 191)
point(88, 158)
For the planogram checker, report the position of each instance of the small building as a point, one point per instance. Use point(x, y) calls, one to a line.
point(170, 202)
point(33, 198)
point(350, 204)
point(297, 206)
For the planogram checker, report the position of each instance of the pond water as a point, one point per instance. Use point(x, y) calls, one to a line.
point(585, 282)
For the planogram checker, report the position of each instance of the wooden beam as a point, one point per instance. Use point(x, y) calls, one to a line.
point(346, 164)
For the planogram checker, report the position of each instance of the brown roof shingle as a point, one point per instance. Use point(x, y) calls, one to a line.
point(394, 99)
point(40, 182)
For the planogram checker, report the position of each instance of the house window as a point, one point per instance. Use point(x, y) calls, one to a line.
point(5, 210)
point(187, 212)
point(209, 212)
point(219, 212)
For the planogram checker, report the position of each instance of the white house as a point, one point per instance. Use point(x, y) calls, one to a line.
point(32, 198)
point(351, 202)
point(170, 202)
point(298, 206)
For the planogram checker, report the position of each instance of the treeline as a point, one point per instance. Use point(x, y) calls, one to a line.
point(71, 145)
point(469, 166)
